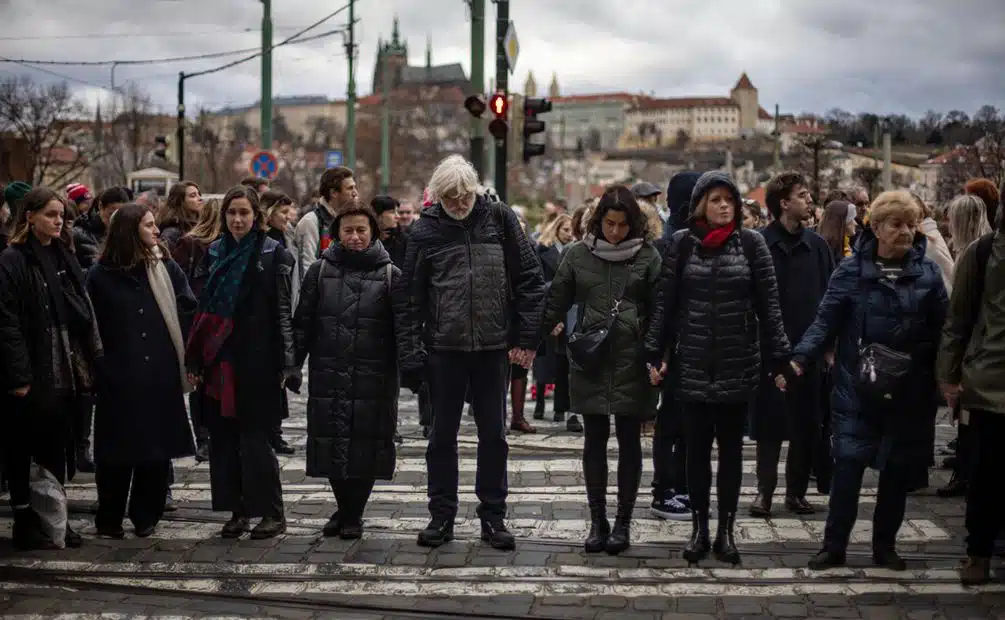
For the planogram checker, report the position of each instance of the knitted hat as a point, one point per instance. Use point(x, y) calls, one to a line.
point(78, 193)
point(14, 192)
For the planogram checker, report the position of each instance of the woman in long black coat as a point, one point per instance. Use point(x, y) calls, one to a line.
point(345, 322)
point(142, 303)
point(48, 346)
point(240, 350)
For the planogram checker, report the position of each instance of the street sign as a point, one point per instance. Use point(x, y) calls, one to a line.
point(333, 159)
point(264, 164)
point(512, 46)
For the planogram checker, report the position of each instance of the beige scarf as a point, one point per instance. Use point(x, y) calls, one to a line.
point(160, 284)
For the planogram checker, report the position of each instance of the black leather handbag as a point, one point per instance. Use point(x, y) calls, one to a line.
point(588, 349)
point(882, 373)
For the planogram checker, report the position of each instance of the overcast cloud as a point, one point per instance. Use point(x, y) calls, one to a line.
point(885, 56)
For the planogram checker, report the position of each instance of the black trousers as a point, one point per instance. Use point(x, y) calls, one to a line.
point(195, 413)
point(351, 495)
point(842, 509)
point(984, 516)
point(485, 372)
point(139, 487)
point(562, 400)
point(30, 435)
point(963, 465)
point(596, 432)
point(243, 470)
point(724, 423)
point(669, 449)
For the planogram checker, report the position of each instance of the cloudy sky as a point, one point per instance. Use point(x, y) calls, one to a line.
point(889, 56)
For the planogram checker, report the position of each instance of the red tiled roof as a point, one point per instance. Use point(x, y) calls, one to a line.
point(764, 115)
point(598, 97)
point(945, 158)
point(744, 83)
point(685, 102)
point(802, 128)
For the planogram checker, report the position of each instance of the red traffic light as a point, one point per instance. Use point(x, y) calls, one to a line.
point(499, 105)
point(475, 104)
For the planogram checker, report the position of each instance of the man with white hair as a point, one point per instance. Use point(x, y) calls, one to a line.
point(469, 303)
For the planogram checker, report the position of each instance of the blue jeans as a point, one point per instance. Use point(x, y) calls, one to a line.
point(887, 517)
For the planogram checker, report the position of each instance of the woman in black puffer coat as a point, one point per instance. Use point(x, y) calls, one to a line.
point(345, 322)
point(716, 310)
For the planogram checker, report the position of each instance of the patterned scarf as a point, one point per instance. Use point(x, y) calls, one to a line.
point(207, 349)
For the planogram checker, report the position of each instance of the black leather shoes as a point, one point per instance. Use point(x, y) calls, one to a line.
point(596, 540)
point(620, 538)
point(333, 527)
point(826, 560)
point(799, 505)
point(888, 558)
point(437, 533)
point(269, 527)
point(497, 536)
point(352, 530)
point(699, 544)
point(235, 527)
point(724, 546)
point(761, 506)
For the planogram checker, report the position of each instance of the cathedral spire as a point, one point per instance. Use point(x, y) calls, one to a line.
point(395, 34)
point(429, 51)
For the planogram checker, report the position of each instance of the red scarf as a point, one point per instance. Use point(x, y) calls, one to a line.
point(713, 237)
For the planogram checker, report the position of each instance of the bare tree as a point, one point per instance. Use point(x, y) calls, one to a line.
point(984, 158)
point(128, 139)
point(869, 177)
point(39, 119)
point(215, 158)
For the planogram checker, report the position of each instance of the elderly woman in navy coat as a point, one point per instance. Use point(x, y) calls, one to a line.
point(887, 294)
point(143, 304)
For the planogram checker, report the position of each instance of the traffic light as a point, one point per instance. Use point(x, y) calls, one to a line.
point(499, 105)
point(475, 104)
point(531, 125)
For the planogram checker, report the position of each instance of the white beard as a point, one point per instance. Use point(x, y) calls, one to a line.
point(459, 217)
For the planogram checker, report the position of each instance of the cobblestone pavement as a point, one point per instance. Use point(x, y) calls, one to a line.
point(186, 570)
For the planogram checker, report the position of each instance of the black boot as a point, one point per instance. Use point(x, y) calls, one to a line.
point(600, 528)
point(83, 459)
point(28, 534)
point(699, 545)
point(620, 538)
point(724, 546)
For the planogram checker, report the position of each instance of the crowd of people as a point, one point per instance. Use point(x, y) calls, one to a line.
point(839, 328)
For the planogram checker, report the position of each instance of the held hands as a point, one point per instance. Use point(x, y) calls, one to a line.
point(522, 357)
point(780, 381)
point(22, 391)
point(558, 329)
point(656, 374)
point(193, 379)
point(951, 392)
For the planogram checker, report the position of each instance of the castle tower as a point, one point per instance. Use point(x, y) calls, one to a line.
point(530, 86)
point(553, 89)
point(745, 96)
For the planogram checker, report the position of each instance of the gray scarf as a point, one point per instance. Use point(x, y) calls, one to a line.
point(611, 253)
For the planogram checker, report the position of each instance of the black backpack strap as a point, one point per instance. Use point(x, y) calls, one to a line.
point(684, 250)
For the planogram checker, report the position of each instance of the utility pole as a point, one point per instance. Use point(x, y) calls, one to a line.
point(478, 83)
point(266, 107)
point(350, 103)
point(502, 85)
point(385, 125)
point(180, 135)
point(887, 160)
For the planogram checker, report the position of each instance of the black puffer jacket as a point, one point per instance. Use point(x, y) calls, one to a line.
point(468, 285)
point(346, 325)
point(725, 310)
point(88, 237)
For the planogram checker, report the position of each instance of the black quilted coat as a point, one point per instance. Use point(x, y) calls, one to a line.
point(345, 323)
point(723, 312)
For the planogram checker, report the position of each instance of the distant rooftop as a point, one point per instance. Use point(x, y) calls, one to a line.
point(296, 100)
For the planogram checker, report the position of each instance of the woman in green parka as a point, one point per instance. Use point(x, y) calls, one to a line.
point(612, 272)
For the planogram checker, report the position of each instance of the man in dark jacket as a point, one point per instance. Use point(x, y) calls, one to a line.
point(470, 300)
point(803, 266)
point(392, 236)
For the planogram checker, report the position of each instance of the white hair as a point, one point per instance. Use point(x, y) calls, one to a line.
point(454, 176)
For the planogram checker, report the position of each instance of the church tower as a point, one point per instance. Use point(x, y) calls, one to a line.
point(553, 89)
point(530, 86)
point(393, 55)
point(745, 96)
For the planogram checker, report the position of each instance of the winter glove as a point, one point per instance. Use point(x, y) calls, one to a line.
point(413, 380)
point(294, 379)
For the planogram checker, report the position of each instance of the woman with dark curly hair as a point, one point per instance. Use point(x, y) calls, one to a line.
point(611, 275)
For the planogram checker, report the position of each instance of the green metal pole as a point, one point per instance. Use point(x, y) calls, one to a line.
point(478, 83)
point(180, 132)
point(350, 116)
point(266, 74)
point(385, 127)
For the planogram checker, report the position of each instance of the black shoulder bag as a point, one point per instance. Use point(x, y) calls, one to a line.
point(882, 374)
point(588, 349)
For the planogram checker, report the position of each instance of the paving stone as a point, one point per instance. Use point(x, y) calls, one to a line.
point(612, 602)
point(787, 610)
